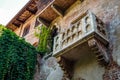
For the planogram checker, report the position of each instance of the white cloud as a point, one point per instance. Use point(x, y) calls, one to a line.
point(4, 16)
point(10, 9)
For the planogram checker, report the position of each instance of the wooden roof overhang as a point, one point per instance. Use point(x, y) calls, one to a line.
point(57, 8)
point(28, 10)
point(46, 11)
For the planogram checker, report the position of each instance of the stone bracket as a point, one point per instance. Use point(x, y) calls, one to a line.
point(67, 67)
point(100, 51)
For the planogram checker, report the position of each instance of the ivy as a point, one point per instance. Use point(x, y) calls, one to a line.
point(17, 57)
point(44, 39)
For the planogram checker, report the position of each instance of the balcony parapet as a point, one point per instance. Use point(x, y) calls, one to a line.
point(87, 31)
point(86, 37)
point(87, 26)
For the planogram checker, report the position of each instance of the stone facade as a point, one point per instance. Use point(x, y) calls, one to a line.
point(86, 68)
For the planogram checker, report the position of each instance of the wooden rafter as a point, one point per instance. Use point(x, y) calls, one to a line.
point(16, 24)
point(20, 20)
point(31, 11)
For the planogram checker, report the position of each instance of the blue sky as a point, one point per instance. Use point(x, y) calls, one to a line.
point(9, 8)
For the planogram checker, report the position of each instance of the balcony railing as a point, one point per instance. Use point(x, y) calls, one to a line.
point(85, 28)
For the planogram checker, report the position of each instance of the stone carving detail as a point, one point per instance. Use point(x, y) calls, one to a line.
point(66, 67)
point(101, 27)
point(87, 26)
point(112, 72)
point(100, 51)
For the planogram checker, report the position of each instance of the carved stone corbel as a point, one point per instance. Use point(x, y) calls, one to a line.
point(67, 67)
point(100, 51)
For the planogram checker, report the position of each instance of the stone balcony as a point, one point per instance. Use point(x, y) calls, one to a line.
point(85, 36)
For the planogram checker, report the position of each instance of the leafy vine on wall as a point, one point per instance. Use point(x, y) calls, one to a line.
point(17, 57)
point(43, 33)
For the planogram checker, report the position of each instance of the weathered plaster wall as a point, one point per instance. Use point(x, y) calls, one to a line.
point(88, 69)
point(109, 12)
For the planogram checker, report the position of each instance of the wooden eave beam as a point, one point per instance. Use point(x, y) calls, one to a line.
point(20, 20)
point(17, 25)
point(57, 10)
point(32, 11)
point(12, 27)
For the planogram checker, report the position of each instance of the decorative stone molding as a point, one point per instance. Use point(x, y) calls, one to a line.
point(67, 67)
point(100, 51)
point(89, 25)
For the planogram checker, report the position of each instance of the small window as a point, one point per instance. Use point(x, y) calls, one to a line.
point(26, 30)
point(37, 23)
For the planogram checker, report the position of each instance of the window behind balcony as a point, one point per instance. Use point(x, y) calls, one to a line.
point(26, 30)
point(37, 23)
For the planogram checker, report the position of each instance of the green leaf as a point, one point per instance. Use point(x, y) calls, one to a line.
point(17, 57)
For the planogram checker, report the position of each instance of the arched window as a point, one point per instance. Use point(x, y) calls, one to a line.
point(37, 23)
point(54, 31)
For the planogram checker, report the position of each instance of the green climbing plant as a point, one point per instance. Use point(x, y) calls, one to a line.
point(17, 57)
point(43, 33)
